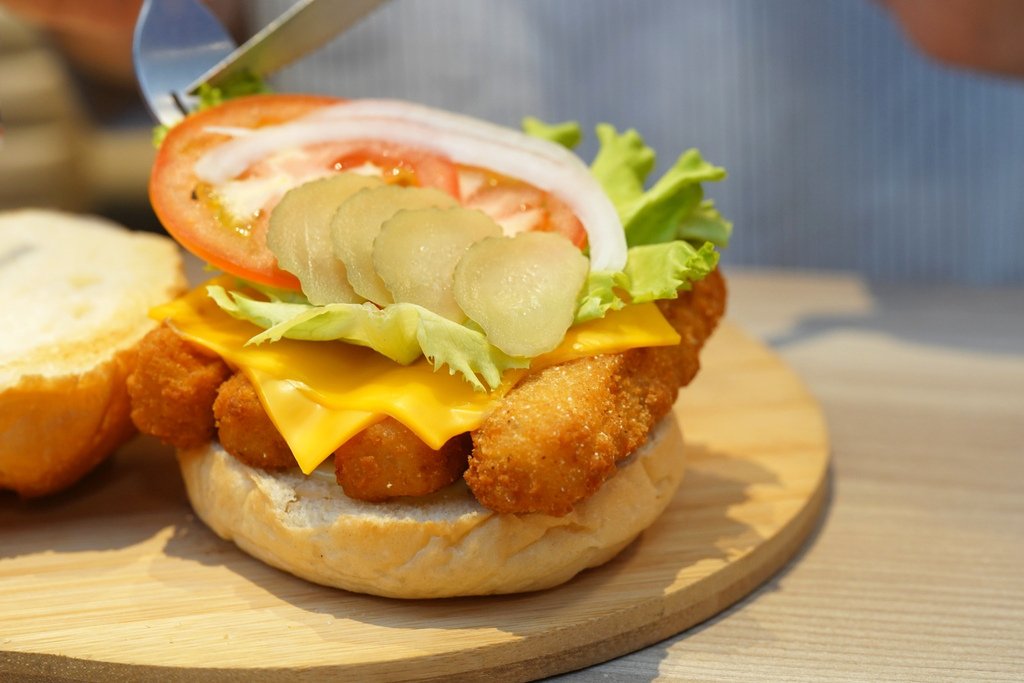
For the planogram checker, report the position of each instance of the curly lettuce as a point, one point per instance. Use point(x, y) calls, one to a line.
point(402, 332)
point(671, 230)
point(568, 134)
point(652, 272)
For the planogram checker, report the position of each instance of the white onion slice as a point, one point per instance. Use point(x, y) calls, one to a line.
point(232, 131)
point(464, 140)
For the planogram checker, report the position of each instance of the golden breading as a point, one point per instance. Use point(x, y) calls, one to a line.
point(172, 389)
point(245, 430)
point(557, 436)
point(188, 398)
point(387, 460)
point(551, 442)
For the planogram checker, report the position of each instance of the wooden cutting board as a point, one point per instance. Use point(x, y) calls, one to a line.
point(117, 580)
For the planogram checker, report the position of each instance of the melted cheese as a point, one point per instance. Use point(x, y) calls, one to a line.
point(320, 394)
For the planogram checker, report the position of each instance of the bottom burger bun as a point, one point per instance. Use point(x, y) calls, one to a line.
point(76, 291)
point(442, 545)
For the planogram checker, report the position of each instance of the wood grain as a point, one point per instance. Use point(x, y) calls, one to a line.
point(915, 571)
point(117, 579)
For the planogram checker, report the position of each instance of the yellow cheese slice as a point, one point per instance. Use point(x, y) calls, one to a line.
point(320, 394)
point(309, 427)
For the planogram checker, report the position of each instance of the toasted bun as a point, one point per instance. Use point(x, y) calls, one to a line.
point(441, 545)
point(75, 295)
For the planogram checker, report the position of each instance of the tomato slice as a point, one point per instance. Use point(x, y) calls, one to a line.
point(518, 206)
point(227, 225)
point(195, 215)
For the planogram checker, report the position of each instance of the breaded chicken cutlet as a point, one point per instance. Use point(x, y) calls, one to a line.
point(550, 443)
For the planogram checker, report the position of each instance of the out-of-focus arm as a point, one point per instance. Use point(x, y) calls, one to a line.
point(984, 35)
point(97, 35)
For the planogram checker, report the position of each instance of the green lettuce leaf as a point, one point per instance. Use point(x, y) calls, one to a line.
point(653, 271)
point(621, 165)
point(672, 231)
point(567, 134)
point(659, 271)
point(159, 133)
point(241, 84)
point(265, 314)
point(705, 224)
point(655, 215)
point(402, 332)
point(600, 294)
point(673, 208)
point(289, 296)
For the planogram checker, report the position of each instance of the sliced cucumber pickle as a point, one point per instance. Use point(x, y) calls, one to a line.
point(416, 252)
point(357, 223)
point(299, 236)
point(521, 290)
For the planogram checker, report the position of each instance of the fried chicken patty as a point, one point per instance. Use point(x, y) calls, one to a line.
point(551, 442)
point(245, 429)
point(558, 435)
point(187, 397)
point(387, 460)
point(172, 389)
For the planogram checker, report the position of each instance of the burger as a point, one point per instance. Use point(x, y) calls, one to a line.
point(441, 355)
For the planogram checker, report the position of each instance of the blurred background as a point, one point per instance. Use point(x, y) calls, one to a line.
point(69, 143)
point(847, 147)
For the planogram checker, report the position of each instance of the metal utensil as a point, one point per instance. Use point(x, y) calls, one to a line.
point(179, 45)
point(304, 28)
point(175, 40)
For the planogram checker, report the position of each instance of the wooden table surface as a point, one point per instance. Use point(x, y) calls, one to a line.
point(917, 569)
point(916, 572)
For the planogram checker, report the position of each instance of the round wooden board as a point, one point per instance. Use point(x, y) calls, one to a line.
point(117, 580)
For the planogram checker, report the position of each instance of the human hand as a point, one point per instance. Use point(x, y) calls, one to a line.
point(97, 35)
point(985, 35)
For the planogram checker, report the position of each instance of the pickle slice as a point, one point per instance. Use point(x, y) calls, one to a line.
point(357, 223)
point(299, 235)
point(416, 252)
point(521, 290)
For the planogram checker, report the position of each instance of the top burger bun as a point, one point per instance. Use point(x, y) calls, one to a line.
point(76, 291)
point(441, 545)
